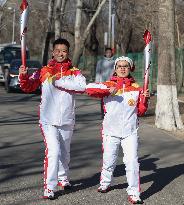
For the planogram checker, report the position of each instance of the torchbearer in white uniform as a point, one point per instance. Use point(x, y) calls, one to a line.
point(123, 102)
point(59, 81)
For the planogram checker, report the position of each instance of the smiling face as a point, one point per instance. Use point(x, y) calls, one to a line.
point(60, 52)
point(122, 69)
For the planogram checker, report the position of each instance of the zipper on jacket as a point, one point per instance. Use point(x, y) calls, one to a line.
point(123, 110)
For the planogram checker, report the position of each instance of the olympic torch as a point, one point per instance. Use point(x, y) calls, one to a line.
point(147, 61)
point(23, 29)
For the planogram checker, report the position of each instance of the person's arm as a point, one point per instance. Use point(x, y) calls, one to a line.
point(142, 107)
point(28, 83)
point(72, 83)
point(100, 90)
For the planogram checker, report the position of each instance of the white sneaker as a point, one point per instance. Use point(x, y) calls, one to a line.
point(133, 199)
point(64, 184)
point(48, 194)
point(104, 189)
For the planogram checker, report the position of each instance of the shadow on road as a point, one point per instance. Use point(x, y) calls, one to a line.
point(161, 178)
point(19, 98)
point(94, 181)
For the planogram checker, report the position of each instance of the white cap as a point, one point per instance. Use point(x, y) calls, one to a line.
point(124, 58)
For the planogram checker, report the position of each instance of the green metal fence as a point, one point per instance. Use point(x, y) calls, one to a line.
point(88, 64)
point(138, 74)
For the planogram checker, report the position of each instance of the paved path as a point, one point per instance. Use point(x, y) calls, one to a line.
point(22, 152)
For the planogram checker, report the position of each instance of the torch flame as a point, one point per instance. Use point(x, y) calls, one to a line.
point(147, 37)
point(23, 5)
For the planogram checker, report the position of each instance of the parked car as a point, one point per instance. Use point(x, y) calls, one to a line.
point(9, 52)
point(11, 77)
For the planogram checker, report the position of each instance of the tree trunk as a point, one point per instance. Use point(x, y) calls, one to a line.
point(91, 52)
point(179, 67)
point(46, 48)
point(124, 26)
point(1, 14)
point(77, 54)
point(179, 70)
point(79, 38)
point(167, 108)
point(60, 7)
point(125, 40)
point(57, 19)
point(78, 47)
point(49, 32)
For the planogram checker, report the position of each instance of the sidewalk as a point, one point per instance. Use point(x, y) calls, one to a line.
point(149, 118)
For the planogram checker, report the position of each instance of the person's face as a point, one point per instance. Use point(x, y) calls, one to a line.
point(108, 53)
point(122, 69)
point(60, 52)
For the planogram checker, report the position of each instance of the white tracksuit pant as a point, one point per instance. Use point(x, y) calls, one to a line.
point(110, 153)
point(57, 153)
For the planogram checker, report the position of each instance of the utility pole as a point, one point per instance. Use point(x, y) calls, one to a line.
point(113, 31)
point(110, 23)
point(13, 34)
point(105, 40)
point(13, 23)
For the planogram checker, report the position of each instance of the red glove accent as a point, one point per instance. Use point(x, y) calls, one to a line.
point(141, 107)
point(70, 91)
point(28, 84)
point(97, 92)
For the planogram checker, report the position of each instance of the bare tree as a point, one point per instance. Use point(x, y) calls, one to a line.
point(124, 24)
point(60, 7)
point(2, 3)
point(167, 109)
point(1, 14)
point(49, 31)
point(92, 43)
point(80, 38)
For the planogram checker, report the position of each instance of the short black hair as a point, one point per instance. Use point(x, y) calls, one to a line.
point(61, 41)
point(108, 48)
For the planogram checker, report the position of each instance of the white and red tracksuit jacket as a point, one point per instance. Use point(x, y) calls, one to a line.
point(121, 109)
point(57, 105)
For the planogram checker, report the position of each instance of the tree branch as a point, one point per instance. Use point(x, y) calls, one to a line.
point(86, 32)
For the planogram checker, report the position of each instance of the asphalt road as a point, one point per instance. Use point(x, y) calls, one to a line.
point(22, 153)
